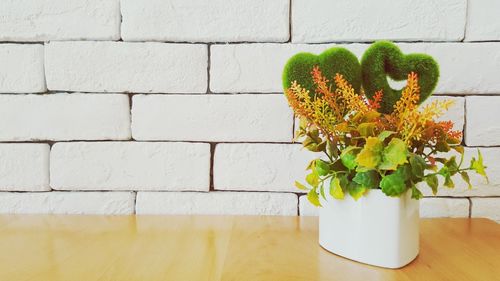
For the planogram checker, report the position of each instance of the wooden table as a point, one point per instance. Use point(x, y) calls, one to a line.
point(226, 248)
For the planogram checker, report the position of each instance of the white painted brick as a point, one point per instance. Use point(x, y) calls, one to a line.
point(211, 118)
point(43, 20)
point(483, 121)
point(64, 117)
point(482, 20)
point(429, 207)
point(255, 67)
point(306, 208)
point(217, 203)
point(126, 67)
point(24, 167)
point(456, 112)
point(486, 208)
point(21, 68)
point(205, 21)
point(480, 186)
point(444, 207)
point(358, 20)
point(465, 67)
point(130, 166)
point(260, 167)
point(102, 203)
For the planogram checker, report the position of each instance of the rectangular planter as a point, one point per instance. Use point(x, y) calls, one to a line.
point(377, 229)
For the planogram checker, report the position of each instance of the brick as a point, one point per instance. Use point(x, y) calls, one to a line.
point(126, 67)
point(486, 208)
point(466, 68)
point(444, 207)
point(24, 167)
point(130, 166)
point(481, 25)
point(202, 21)
point(21, 69)
point(217, 203)
point(260, 167)
point(348, 20)
point(211, 118)
point(483, 121)
point(456, 113)
point(64, 116)
point(306, 208)
point(480, 186)
point(43, 20)
point(89, 203)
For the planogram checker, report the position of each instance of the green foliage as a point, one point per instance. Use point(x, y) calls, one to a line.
point(332, 61)
point(383, 59)
point(395, 154)
point(395, 183)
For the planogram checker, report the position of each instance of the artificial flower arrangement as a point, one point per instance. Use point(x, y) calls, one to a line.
point(371, 136)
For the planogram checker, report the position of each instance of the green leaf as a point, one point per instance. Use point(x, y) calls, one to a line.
point(445, 172)
point(371, 154)
point(432, 182)
point(452, 165)
point(335, 189)
point(395, 183)
point(466, 178)
point(300, 186)
point(311, 165)
point(368, 179)
point(367, 129)
point(313, 179)
point(415, 193)
point(385, 134)
point(394, 154)
point(478, 166)
point(418, 166)
point(313, 197)
point(322, 191)
point(322, 167)
point(356, 190)
point(348, 157)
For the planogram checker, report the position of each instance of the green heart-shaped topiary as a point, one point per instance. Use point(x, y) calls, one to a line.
point(330, 62)
point(384, 59)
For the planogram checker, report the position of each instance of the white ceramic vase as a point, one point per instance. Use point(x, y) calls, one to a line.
point(377, 229)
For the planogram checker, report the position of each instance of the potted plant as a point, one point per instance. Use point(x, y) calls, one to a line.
point(376, 145)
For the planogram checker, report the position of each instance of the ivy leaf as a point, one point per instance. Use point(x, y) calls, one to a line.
point(322, 167)
point(356, 190)
point(348, 157)
point(432, 182)
point(415, 193)
point(466, 178)
point(370, 156)
point(313, 179)
point(322, 191)
point(368, 179)
point(418, 166)
point(394, 154)
point(395, 183)
point(385, 134)
point(311, 165)
point(335, 189)
point(478, 166)
point(367, 129)
point(445, 172)
point(300, 186)
point(452, 165)
point(313, 197)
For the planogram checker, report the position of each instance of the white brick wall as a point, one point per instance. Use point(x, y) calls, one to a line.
point(24, 166)
point(212, 118)
point(126, 67)
point(130, 166)
point(205, 21)
point(316, 21)
point(217, 203)
point(172, 95)
point(64, 116)
point(260, 167)
point(43, 20)
point(21, 68)
point(109, 203)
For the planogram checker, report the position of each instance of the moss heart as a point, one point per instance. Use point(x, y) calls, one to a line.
point(332, 61)
point(384, 59)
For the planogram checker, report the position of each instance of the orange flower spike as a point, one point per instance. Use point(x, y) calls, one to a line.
point(375, 102)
